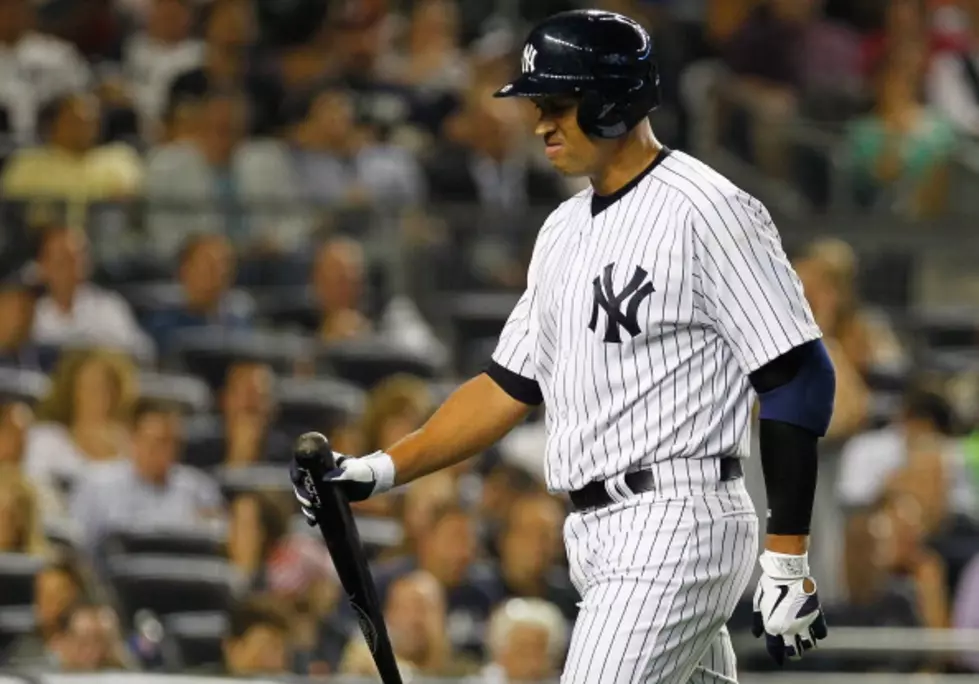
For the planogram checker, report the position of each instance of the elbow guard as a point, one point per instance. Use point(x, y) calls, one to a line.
point(806, 399)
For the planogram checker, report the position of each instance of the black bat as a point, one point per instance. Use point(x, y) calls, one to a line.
point(314, 458)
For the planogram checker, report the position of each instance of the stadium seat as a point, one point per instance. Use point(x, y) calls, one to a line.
point(198, 636)
point(287, 308)
point(256, 478)
point(477, 319)
point(207, 540)
point(324, 403)
point(365, 362)
point(15, 622)
point(203, 442)
point(167, 584)
point(17, 578)
point(191, 393)
point(23, 385)
point(208, 352)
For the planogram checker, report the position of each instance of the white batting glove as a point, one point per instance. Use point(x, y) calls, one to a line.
point(786, 606)
point(358, 478)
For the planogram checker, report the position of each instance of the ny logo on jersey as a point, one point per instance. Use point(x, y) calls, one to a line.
point(529, 56)
point(632, 295)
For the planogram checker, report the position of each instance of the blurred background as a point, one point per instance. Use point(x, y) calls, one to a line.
point(226, 222)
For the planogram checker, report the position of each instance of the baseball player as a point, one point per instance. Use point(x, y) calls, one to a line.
point(659, 305)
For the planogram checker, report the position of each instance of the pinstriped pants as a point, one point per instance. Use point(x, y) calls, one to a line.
point(660, 574)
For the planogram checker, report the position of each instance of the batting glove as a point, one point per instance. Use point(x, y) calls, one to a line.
point(358, 478)
point(786, 607)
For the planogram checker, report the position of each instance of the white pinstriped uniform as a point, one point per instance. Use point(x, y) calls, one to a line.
point(638, 377)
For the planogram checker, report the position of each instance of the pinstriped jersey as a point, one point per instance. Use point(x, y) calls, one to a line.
point(643, 315)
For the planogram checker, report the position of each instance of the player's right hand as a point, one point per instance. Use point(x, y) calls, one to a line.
point(358, 478)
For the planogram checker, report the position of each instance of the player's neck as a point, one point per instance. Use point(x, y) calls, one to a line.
point(633, 155)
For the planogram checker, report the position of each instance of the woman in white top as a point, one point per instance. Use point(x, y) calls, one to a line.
point(82, 420)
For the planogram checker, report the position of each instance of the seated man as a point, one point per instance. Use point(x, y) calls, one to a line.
point(74, 311)
point(150, 487)
point(527, 640)
point(17, 304)
point(206, 298)
point(447, 552)
point(530, 551)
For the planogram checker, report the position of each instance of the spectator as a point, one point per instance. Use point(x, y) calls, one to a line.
point(20, 515)
point(338, 285)
point(484, 160)
point(206, 273)
point(248, 405)
point(88, 640)
point(852, 399)
point(217, 181)
point(155, 56)
point(500, 487)
point(69, 166)
point(767, 55)
point(527, 640)
point(915, 458)
point(414, 612)
point(864, 335)
point(36, 68)
point(432, 60)
point(257, 643)
point(902, 147)
point(448, 553)
point(76, 312)
point(531, 552)
point(294, 570)
point(58, 587)
point(150, 487)
point(336, 161)
point(83, 419)
point(422, 502)
point(17, 306)
point(229, 35)
point(15, 420)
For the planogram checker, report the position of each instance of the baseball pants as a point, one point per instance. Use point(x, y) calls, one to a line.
point(660, 573)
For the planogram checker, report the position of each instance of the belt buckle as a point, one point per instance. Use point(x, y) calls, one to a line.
point(617, 489)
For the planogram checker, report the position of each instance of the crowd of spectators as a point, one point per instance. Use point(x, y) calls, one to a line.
point(150, 386)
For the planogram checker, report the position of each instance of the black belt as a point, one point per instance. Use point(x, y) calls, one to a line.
point(595, 495)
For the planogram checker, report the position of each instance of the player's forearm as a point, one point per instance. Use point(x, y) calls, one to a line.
point(472, 419)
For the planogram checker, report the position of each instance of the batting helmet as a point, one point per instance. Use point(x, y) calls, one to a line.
point(605, 58)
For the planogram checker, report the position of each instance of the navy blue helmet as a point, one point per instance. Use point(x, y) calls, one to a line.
point(604, 58)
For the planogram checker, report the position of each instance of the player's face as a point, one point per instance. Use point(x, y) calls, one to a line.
point(567, 147)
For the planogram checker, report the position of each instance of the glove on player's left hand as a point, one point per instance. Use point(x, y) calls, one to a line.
point(358, 478)
point(787, 609)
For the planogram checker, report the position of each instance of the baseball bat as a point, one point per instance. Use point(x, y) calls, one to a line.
point(314, 457)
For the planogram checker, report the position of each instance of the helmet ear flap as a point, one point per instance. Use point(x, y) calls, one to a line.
point(599, 117)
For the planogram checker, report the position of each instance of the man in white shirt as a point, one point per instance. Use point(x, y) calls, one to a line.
point(34, 68)
point(74, 311)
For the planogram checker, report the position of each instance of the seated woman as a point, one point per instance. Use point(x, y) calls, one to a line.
point(83, 420)
point(902, 146)
point(20, 521)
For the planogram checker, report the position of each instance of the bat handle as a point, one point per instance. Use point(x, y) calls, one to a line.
point(313, 453)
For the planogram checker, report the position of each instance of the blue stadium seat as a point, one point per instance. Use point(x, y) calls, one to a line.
point(190, 392)
point(365, 362)
point(256, 478)
point(15, 622)
point(17, 572)
point(206, 540)
point(208, 352)
point(166, 584)
point(477, 319)
point(23, 385)
point(324, 403)
point(287, 308)
point(198, 636)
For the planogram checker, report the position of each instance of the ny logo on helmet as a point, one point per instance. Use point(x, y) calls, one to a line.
point(605, 297)
point(529, 55)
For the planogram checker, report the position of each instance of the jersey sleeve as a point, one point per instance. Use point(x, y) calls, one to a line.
point(513, 362)
point(748, 290)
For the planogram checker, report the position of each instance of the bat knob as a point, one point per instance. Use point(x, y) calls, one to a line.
point(312, 444)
